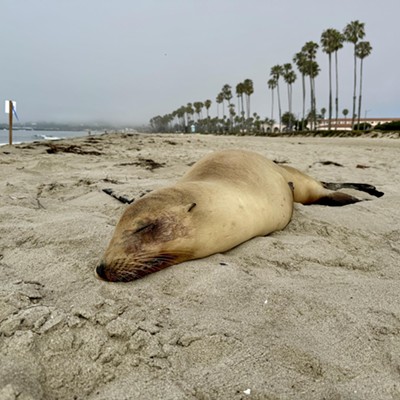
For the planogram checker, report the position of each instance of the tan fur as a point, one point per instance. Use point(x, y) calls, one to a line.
point(226, 198)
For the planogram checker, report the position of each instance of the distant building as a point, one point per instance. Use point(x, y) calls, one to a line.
point(344, 124)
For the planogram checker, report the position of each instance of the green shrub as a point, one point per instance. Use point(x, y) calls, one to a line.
point(364, 126)
point(389, 126)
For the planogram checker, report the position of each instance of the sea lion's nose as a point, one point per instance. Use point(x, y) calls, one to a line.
point(101, 271)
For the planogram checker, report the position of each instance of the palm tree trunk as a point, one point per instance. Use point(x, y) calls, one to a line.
point(312, 120)
point(303, 81)
point(272, 106)
point(279, 108)
point(330, 92)
point(314, 104)
point(360, 96)
point(288, 101)
point(337, 90)
point(290, 106)
point(354, 89)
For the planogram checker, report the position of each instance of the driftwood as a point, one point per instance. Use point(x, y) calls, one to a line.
point(122, 199)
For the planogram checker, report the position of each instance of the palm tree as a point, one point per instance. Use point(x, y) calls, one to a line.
point(300, 59)
point(312, 68)
point(353, 32)
point(289, 77)
point(189, 112)
point(363, 49)
point(248, 91)
point(219, 100)
point(232, 114)
point(207, 105)
point(272, 83)
point(328, 43)
point(227, 93)
point(276, 72)
point(239, 93)
point(198, 106)
point(345, 113)
point(337, 44)
point(313, 72)
point(180, 113)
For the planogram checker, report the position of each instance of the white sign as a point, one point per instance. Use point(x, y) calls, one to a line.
point(14, 103)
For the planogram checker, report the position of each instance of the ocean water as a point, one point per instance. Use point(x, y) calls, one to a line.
point(22, 136)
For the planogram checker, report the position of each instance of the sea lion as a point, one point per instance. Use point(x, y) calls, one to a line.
point(225, 199)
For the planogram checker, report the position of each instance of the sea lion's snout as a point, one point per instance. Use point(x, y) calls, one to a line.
point(101, 271)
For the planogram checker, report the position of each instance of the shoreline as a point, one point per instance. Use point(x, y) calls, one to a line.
point(41, 135)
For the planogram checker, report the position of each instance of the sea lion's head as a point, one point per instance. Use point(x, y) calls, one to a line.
point(153, 233)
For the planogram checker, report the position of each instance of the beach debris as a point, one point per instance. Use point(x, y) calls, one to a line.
point(334, 163)
point(39, 204)
point(361, 166)
point(70, 148)
point(247, 392)
point(146, 163)
point(145, 192)
point(93, 140)
point(84, 182)
point(111, 180)
point(122, 199)
point(281, 162)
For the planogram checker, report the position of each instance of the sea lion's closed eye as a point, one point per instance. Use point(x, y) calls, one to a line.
point(146, 227)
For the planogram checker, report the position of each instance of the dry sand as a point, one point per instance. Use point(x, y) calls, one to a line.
point(311, 312)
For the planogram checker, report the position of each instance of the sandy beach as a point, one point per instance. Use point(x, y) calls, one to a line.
point(310, 312)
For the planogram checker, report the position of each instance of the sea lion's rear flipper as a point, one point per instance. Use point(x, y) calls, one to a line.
point(363, 187)
point(336, 199)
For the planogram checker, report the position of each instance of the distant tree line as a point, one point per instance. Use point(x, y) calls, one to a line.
point(236, 118)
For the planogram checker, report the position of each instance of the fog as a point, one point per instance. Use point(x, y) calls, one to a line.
point(127, 61)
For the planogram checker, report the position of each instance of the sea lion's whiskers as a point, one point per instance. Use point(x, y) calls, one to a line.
point(140, 264)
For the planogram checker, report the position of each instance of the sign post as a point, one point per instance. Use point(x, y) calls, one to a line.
point(10, 122)
point(11, 107)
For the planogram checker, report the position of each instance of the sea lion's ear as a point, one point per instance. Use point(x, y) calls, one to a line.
point(191, 206)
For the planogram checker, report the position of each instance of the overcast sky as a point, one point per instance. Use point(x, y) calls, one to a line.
point(125, 61)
